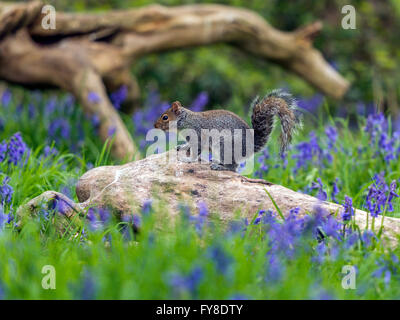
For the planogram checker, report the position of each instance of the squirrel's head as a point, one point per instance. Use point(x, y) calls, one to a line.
point(172, 114)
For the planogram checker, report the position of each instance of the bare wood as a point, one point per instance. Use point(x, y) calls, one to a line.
point(157, 28)
point(68, 66)
point(101, 47)
point(17, 15)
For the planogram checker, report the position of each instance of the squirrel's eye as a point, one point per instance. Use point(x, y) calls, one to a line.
point(165, 117)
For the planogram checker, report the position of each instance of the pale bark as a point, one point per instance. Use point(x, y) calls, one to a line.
point(94, 52)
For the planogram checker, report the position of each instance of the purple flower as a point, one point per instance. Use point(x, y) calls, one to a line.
point(376, 199)
point(275, 269)
point(6, 191)
point(50, 106)
point(181, 283)
point(200, 219)
point(50, 151)
point(376, 124)
point(392, 194)
point(61, 205)
point(199, 102)
point(220, 258)
point(5, 218)
point(388, 267)
point(131, 221)
point(88, 289)
point(16, 149)
point(331, 134)
point(93, 97)
point(111, 130)
point(258, 219)
point(60, 127)
point(335, 190)
point(147, 206)
point(306, 152)
point(322, 195)
point(3, 150)
point(6, 98)
point(98, 218)
point(367, 237)
point(312, 104)
point(331, 227)
point(119, 96)
point(348, 209)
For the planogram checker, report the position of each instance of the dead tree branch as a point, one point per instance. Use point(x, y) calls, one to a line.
point(93, 52)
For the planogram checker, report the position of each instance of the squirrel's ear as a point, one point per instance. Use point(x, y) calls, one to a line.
point(176, 107)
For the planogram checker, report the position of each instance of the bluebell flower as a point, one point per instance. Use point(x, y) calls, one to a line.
point(98, 218)
point(50, 151)
point(6, 98)
point(312, 104)
point(376, 199)
point(220, 258)
point(306, 152)
point(388, 267)
point(147, 206)
point(181, 283)
point(348, 209)
point(322, 195)
point(367, 236)
point(3, 218)
point(93, 97)
point(119, 96)
point(199, 102)
point(200, 219)
point(6, 191)
point(3, 150)
point(331, 227)
point(59, 128)
point(16, 149)
point(50, 106)
point(61, 205)
point(88, 288)
point(258, 219)
point(111, 130)
point(320, 251)
point(335, 190)
point(239, 296)
point(275, 268)
point(392, 195)
point(132, 220)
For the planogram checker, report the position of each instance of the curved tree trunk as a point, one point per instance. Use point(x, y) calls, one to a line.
point(92, 53)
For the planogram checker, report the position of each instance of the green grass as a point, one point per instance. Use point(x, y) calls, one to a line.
point(151, 265)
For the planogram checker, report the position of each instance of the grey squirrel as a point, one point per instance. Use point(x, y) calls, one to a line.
point(276, 103)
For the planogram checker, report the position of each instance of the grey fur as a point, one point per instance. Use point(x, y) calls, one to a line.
point(263, 114)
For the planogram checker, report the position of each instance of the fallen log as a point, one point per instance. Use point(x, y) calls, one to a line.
point(92, 53)
point(164, 178)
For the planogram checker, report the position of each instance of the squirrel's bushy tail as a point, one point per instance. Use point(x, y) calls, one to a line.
point(277, 103)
